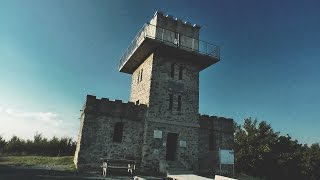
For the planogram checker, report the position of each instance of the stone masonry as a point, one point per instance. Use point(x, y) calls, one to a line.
point(161, 123)
point(95, 140)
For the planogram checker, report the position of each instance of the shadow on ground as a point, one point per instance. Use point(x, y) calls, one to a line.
point(10, 172)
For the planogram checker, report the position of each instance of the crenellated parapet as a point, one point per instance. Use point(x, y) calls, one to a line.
point(175, 24)
point(116, 108)
point(216, 123)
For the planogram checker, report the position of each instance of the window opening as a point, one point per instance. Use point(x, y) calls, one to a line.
point(170, 101)
point(179, 103)
point(172, 70)
point(141, 75)
point(180, 72)
point(211, 141)
point(118, 132)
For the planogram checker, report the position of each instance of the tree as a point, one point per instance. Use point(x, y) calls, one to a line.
point(253, 146)
point(262, 152)
point(312, 162)
point(289, 156)
point(15, 146)
point(2, 144)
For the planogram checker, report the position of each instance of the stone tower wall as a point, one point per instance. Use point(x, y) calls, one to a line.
point(163, 84)
point(184, 122)
point(140, 87)
point(222, 130)
point(98, 120)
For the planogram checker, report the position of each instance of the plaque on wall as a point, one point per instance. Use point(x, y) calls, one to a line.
point(157, 134)
point(156, 151)
point(183, 143)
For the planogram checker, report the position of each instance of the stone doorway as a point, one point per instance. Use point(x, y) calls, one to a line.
point(172, 140)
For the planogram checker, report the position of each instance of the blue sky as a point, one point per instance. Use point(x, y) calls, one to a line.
point(54, 52)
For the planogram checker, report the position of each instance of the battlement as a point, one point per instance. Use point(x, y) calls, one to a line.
point(170, 17)
point(115, 108)
point(168, 22)
point(216, 123)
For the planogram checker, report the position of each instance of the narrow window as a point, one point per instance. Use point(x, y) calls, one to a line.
point(138, 79)
point(211, 142)
point(179, 103)
point(170, 101)
point(172, 70)
point(137, 102)
point(180, 72)
point(118, 131)
point(141, 75)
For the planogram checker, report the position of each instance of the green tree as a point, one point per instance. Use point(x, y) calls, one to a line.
point(261, 152)
point(2, 144)
point(312, 162)
point(289, 156)
point(15, 146)
point(253, 146)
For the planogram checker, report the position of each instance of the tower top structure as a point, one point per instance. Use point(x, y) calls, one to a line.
point(179, 39)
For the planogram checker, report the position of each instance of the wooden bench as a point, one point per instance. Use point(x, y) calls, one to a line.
point(108, 164)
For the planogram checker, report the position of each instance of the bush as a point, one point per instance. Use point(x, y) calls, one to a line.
point(38, 146)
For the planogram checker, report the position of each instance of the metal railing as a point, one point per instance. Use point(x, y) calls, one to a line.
point(170, 38)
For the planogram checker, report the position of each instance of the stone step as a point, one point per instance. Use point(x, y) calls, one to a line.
point(178, 169)
point(175, 164)
point(180, 172)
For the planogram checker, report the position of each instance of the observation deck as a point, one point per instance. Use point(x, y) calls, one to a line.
point(152, 37)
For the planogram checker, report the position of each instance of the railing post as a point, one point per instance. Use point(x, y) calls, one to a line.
point(162, 34)
point(192, 44)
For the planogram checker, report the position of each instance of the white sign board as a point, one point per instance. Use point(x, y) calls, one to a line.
point(226, 156)
point(157, 134)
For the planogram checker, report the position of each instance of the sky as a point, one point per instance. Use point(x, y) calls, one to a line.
point(55, 52)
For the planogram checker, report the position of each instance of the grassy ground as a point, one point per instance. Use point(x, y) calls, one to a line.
point(59, 163)
point(56, 164)
point(47, 168)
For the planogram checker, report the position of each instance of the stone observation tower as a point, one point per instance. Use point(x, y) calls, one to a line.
point(160, 127)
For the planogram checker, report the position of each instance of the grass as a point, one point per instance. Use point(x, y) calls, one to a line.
point(39, 161)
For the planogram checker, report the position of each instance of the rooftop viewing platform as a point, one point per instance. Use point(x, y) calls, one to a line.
point(152, 36)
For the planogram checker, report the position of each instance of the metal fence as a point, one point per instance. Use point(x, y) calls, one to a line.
point(170, 38)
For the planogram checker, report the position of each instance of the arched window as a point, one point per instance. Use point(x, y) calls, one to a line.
point(118, 131)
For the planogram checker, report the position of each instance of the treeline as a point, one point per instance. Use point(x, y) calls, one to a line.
point(262, 152)
point(38, 146)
